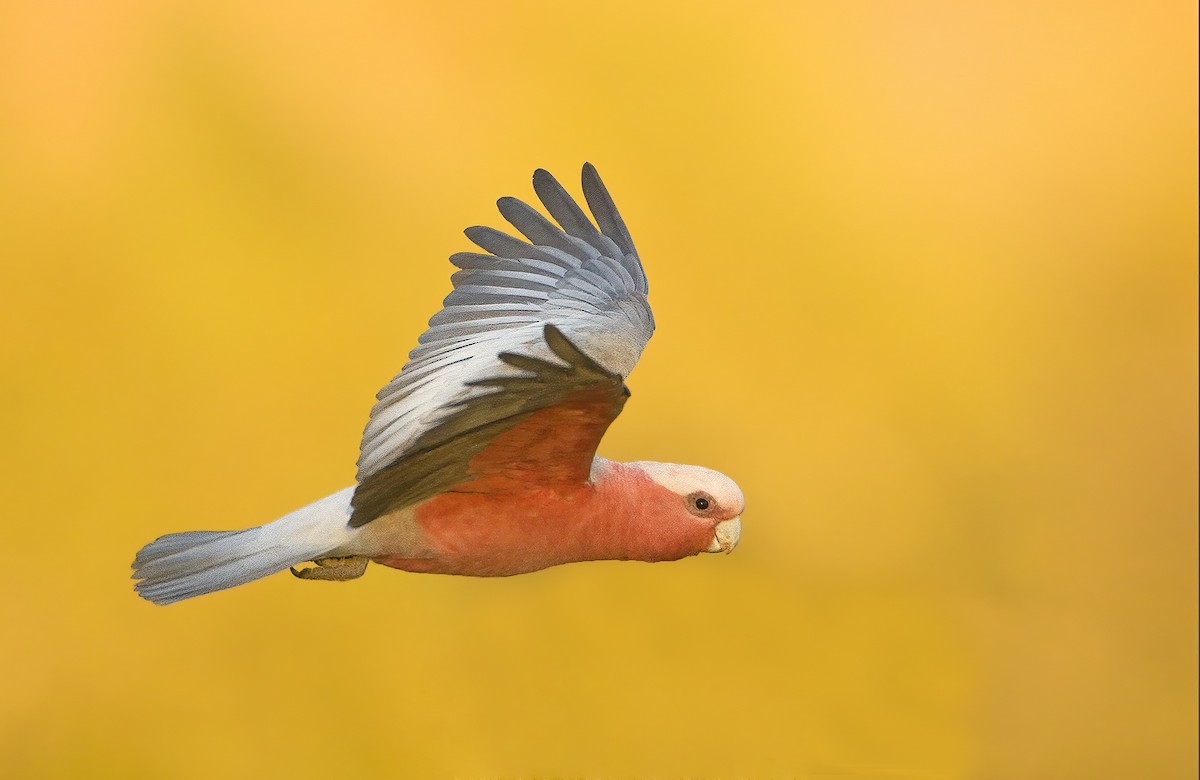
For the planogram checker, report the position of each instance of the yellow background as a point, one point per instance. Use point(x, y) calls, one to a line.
point(925, 276)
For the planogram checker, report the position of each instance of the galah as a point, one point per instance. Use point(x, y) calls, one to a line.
point(479, 458)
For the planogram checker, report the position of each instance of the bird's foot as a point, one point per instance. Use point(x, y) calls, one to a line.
point(334, 569)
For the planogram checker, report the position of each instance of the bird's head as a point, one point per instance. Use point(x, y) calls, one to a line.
point(704, 504)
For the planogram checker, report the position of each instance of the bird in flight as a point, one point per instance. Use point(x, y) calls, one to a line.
point(479, 458)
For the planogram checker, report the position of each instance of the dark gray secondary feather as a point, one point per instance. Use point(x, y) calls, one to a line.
point(441, 456)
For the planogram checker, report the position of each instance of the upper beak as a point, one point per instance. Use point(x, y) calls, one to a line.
point(726, 535)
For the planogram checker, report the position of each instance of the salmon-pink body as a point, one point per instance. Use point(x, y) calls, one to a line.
point(498, 530)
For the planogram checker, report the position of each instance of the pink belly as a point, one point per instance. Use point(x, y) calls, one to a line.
point(488, 535)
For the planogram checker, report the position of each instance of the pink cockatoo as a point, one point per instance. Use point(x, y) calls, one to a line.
point(480, 456)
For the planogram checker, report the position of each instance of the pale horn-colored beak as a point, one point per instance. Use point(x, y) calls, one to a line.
point(726, 535)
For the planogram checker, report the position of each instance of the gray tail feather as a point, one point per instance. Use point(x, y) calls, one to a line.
point(179, 566)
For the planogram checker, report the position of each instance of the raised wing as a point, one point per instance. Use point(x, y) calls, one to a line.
point(553, 323)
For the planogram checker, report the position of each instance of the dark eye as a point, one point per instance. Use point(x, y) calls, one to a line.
point(700, 503)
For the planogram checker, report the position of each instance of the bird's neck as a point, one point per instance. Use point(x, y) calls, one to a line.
point(634, 518)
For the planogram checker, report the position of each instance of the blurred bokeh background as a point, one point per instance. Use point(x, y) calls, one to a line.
point(925, 275)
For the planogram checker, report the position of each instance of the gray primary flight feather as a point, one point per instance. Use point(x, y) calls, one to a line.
point(585, 281)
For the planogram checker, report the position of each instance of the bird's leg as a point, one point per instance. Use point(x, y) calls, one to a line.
point(337, 569)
